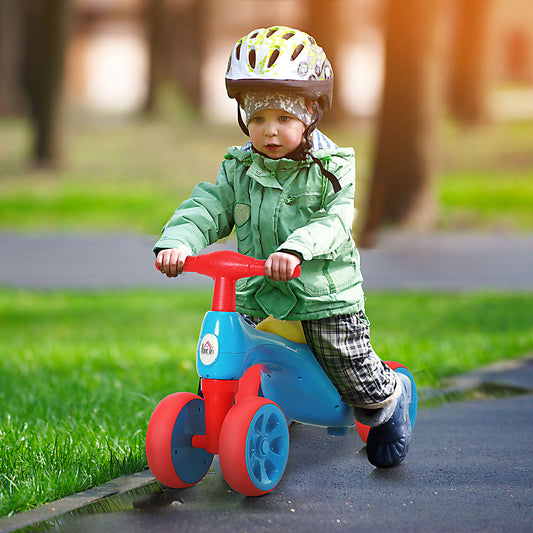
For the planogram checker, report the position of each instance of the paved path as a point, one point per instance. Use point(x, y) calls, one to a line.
point(401, 260)
point(470, 467)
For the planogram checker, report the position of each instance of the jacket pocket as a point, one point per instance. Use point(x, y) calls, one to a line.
point(275, 298)
point(320, 278)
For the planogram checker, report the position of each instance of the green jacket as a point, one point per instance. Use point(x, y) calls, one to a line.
point(280, 205)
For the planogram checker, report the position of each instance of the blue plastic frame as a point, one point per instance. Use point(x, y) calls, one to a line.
point(291, 375)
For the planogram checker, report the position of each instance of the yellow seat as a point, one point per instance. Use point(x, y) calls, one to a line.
point(289, 329)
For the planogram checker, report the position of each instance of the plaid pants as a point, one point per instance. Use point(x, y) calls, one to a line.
point(341, 345)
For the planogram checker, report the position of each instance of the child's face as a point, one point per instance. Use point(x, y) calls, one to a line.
point(275, 132)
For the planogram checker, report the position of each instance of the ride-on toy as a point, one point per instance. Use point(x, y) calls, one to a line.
point(254, 382)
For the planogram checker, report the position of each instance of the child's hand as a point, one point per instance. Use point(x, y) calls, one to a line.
point(170, 261)
point(280, 266)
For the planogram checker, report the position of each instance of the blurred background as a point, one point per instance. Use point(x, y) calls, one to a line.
point(111, 110)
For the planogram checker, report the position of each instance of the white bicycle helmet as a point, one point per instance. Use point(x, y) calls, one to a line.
point(280, 58)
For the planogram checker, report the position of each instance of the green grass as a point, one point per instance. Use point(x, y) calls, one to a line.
point(443, 335)
point(81, 372)
point(117, 174)
point(131, 173)
point(486, 177)
point(493, 199)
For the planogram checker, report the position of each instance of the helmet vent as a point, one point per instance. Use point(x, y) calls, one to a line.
point(273, 57)
point(251, 58)
point(279, 58)
point(297, 51)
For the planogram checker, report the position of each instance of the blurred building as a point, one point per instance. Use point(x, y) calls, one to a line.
point(108, 57)
point(107, 60)
point(511, 50)
point(512, 41)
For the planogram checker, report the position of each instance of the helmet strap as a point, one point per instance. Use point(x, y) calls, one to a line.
point(304, 149)
point(243, 126)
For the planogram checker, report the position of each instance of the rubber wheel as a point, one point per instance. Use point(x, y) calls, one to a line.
point(363, 430)
point(171, 457)
point(254, 446)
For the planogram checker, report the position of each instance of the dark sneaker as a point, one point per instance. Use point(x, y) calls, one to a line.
point(387, 445)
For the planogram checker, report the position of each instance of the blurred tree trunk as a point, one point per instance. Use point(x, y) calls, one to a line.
point(11, 97)
point(162, 22)
point(46, 37)
point(402, 189)
point(324, 20)
point(470, 57)
point(157, 49)
point(190, 48)
point(177, 44)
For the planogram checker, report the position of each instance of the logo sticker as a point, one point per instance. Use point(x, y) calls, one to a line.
point(209, 349)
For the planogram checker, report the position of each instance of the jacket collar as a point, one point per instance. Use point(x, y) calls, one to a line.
point(247, 155)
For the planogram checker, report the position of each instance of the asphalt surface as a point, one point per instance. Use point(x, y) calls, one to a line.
point(456, 261)
point(470, 467)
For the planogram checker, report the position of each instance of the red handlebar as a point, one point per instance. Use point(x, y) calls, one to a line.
point(226, 267)
point(224, 263)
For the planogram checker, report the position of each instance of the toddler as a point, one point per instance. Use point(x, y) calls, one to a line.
point(289, 195)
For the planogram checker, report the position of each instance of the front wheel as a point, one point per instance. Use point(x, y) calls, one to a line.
point(363, 430)
point(171, 457)
point(254, 446)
